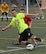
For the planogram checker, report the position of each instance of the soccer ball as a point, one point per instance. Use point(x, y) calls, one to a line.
point(30, 46)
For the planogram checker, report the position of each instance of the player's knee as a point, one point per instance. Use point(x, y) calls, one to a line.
point(33, 37)
point(6, 13)
point(23, 42)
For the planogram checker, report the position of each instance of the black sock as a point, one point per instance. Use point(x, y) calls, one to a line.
point(7, 19)
point(39, 39)
point(1, 19)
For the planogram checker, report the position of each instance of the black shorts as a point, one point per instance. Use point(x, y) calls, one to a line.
point(25, 35)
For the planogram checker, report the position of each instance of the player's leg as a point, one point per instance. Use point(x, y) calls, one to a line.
point(32, 37)
point(35, 39)
point(19, 39)
point(2, 16)
point(24, 42)
point(24, 37)
point(6, 15)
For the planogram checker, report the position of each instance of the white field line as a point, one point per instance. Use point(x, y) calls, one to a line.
point(19, 48)
point(13, 47)
point(4, 51)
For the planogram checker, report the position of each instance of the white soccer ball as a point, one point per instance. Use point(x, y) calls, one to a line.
point(30, 46)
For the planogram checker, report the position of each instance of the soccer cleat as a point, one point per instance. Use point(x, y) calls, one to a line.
point(36, 45)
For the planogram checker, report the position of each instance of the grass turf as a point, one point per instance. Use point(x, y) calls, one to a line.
point(38, 29)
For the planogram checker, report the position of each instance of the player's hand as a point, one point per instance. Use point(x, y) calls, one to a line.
point(3, 29)
point(2, 11)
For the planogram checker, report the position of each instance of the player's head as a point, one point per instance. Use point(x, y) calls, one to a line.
point(22, 10)
point(14, 12)
point(4, 2)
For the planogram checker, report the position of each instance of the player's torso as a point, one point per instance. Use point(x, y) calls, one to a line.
point(5, 7)
point(20, 24)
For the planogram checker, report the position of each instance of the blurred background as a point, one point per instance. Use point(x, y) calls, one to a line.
point(31, 6)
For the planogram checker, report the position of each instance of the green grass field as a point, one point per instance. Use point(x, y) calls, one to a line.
point(10, 35)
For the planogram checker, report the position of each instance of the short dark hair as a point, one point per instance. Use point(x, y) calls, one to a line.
point(13, 10)
point(22, 9)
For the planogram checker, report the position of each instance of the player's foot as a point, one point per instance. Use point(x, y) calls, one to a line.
point(16, 43)
point(36, 45)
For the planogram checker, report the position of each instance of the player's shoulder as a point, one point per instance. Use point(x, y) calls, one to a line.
point(20, 15)
point(27, 17)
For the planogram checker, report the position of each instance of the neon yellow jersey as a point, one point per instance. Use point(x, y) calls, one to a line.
point(18, 21)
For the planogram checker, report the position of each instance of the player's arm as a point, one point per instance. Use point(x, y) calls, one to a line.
point(9, 25)
point(1, 8)
point(5, 28)
point(33, 14)
point(7, 7)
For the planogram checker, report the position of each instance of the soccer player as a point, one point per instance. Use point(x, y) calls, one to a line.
point(28, 21)
point(4, 10)
point(23, 29)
